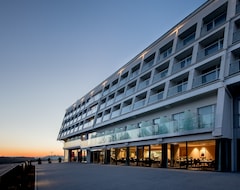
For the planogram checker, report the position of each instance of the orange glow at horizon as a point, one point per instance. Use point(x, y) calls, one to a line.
point(29, 152)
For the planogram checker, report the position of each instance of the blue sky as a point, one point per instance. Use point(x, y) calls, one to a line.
point(53, 52)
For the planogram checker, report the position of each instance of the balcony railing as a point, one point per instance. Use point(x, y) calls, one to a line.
point(147, 65)
point(206, 78)
point(116, 113)
point(189, 124)
point(127, 108)
point(234, 67)
point(155, 97)
point(106, 117)
point(143, 84)
point(177, 89)
point(160, 75)
point(180, 65)
point(236, 36)
point(130, 91)
point(139, 104)
point(211, 49)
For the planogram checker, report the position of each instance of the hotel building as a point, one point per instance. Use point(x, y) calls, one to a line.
point(175, 105)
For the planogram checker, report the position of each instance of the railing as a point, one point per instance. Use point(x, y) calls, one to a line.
point(147, 65)
point(127, 109)
point(106, 117)
point(130, 91)
point(191, 123)
point(183, 63)
point(155, 97)
point(206, 78)
point(211, 49)
point(160, 75)
point(119, 96)
point(236, 36)
point(134, 74)
point(234, 67)
point(116, 113)
point(139, 104)
point(143, 84)
point(177, 89)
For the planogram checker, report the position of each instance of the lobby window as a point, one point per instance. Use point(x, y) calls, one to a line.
point(160, 72)
point(148, 62)
point(182, 60)
point(187, 37)
point(206, 116)
point(215, 19)
point(135, 71)
point(165, 51)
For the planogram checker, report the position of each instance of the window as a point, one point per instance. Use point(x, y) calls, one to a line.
point(178, 119)
point(206, 116)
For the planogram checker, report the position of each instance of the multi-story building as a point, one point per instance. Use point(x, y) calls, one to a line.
point(175, 105)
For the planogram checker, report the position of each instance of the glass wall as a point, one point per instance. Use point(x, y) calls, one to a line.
point(196, 155)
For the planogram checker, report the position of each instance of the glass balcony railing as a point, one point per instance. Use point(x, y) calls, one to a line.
point(236, 36)
point(106, 117)
point(189, 124)
point(126, 109)
point(139, 104)
point(234, 67)
point(116, 113)
point(147, 65)
point(211, 49)
point(155, 97)
point(160, 75)
point(180, 65)
point(130, 91)
point(143, 84)
point(177, 89)
point(206, 78)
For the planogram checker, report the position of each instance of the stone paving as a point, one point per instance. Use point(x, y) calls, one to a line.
point(75, 176)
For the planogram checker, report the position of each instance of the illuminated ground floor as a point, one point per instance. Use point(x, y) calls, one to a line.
point(214, 155)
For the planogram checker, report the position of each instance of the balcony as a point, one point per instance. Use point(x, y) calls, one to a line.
point(106, 117)
point(183, 63)
point(191, 123)
point(234, 67)
point(116, 113)
point(236, 36)
point(143, 84)
point(160, 75)
point(127, 109)
point(206, 78)
point(130, 91)
point(139, 104)
point(147, 65)
point(155, 97)
point(177, 89)
point(211, 49)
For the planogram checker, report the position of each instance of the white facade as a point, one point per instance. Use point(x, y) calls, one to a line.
point(177, 100)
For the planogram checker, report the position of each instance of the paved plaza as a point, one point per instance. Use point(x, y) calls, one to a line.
point(75, 176)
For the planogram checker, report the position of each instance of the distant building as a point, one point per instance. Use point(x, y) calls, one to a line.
point(175, 105)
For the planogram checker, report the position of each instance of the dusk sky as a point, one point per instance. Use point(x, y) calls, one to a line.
point(53, 52)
